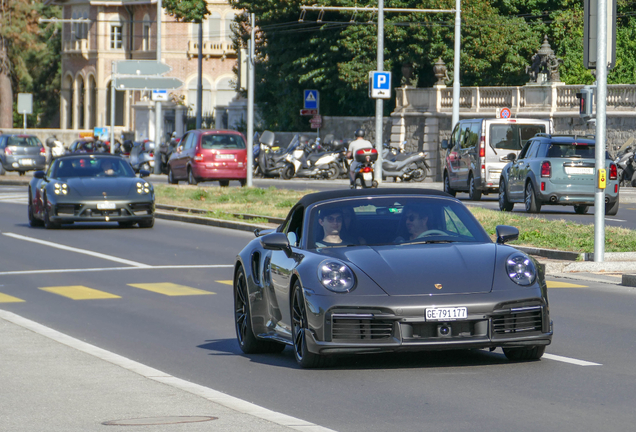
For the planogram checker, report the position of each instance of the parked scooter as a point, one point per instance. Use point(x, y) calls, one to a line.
point(309, 161)
point(165, 151)
point(363, 174)
point(625, 163)
point(271, 163)
point(142, 156)
point(404, 166)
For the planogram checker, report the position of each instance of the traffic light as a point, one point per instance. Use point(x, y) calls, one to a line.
point(585, 101)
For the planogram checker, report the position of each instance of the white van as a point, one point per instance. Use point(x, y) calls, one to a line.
point(479, 148)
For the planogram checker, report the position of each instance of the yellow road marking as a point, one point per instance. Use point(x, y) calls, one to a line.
point(226, 282)
point(6, 298)
point(628, 208)
point(171, 289)
point(79, 292)
point(554, 284)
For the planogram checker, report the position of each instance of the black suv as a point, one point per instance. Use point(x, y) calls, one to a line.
point(556, 170)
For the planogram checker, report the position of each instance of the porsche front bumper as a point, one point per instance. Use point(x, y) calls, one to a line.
point(498, 319)
point(90, 211)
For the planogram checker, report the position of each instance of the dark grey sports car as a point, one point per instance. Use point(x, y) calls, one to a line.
point(365, 271)
point(90, 188)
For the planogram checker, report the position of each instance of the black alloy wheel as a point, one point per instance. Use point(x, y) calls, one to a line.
point(191, 179)
point(473, 192)
point(171, 178)
point(287, 172)
point(224, 183)
point(447, 187)
point(245, 337)
point(304, 358)
point(504, 204)
point(530, 200)
point(611, 209)
point(524, 354)
point(47, 221)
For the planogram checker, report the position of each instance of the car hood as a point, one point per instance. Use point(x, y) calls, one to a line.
point(102, 187)
point(428, 269)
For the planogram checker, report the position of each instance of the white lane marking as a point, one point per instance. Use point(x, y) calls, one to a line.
point(570, 360)
point(21, 272)
point(13, 196)
point(212, 395)
point(615, 220)
point(72, 249)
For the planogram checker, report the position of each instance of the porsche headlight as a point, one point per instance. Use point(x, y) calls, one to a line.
point(336, 276)
point(143, 188)
point(521, 269)
point(61, 188)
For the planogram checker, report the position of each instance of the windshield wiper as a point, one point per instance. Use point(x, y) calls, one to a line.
point(430, 242)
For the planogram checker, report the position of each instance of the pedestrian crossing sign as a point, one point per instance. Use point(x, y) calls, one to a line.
point(312, 99)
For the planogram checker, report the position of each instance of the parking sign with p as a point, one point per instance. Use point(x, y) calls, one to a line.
point(380, 85)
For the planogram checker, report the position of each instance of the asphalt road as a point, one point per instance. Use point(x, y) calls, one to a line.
point(162, 297)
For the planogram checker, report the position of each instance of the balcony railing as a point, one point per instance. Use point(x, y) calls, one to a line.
point(211, 49)
point(76, 46)
point(555, 98)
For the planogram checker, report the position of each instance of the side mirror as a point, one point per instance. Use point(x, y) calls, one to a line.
point(511, 157)
point(39, 174)
point(144, 173)
point(276, 241)
point(445, 144)
point(506, 233)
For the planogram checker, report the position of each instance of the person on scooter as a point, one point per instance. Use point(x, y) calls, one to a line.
point(355, 145)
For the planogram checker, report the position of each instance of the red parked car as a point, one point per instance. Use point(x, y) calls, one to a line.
point(205, 155)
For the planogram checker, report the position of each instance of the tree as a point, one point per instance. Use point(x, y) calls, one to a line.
point(192, 11)
point(19, 31)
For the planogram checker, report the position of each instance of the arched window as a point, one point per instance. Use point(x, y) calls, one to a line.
point(225, 92)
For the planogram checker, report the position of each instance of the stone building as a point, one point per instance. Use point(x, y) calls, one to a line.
point(118, 30)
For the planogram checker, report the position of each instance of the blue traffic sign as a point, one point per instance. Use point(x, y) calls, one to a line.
point(380, 85)
point(312, 99)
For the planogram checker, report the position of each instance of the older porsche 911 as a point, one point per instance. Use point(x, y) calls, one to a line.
point(90, 188)
point(366, 271)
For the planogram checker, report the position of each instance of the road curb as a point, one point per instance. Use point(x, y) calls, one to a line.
point(202, 220)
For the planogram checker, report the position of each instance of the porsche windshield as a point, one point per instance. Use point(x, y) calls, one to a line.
point(91, 166)
point(399, 220)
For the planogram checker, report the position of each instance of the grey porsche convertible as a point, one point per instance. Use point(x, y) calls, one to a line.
point(380, 270)
point(90, 188)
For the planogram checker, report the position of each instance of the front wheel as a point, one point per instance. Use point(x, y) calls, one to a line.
point(224, 183)
point(47, 221)
point(333, 172)
point(524, 354)
point(304, 357)
point(32, 220)
point(447, 187)
point(171, 178)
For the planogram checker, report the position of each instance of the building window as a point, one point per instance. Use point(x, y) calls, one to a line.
point(116, 36)
point(146, 37)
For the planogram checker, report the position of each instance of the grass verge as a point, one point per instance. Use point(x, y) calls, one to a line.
point(533, 231)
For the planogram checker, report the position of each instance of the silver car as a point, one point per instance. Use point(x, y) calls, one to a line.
point(21, 153)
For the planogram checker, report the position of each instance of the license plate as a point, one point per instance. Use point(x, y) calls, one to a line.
point(106, 205)
point(446, 314)
point(26, 162)
point(367, 176)
point(225, 156)
point(579, 170)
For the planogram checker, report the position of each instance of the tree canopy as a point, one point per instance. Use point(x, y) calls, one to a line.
point(335, 51)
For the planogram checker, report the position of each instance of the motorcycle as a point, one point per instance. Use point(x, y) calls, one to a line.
point(398, 164)
point(57, 147)
point(624, 161)
point(309, 161)
point(270, 162)
point(142, 156)
point(363, 174)
point(165, 151)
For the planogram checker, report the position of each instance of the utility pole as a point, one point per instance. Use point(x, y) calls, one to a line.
point(200, 78)
point(379, 103)
point(250, 103)
point(458, 41)
point(158, 116)
point(601, 103)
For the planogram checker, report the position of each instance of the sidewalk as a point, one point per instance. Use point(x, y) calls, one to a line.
point(54, 383)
